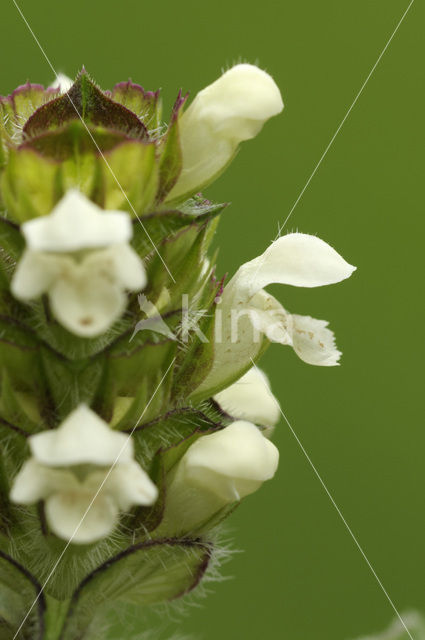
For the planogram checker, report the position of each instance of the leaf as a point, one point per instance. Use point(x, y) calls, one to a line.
point(145, 574)
point(18, 590)
point(85, 100)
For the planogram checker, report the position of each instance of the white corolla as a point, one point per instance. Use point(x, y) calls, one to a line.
point(86, 474)
point(224, 114)
point(246, 314)
point(80, 256)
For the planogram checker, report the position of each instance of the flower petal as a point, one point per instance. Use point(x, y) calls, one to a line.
point(244, 92)
point(77, 223)
point(230, 110)
point(251, 399)
point(34, 274)
point(71, 516)
point(244, 327)
point(130, 485)
point(270, 318)
point(35, 482)
point(313, 342)
point(124, 265)
point(87, 304)
point(232, 462)
point(82, 438)
point(297, 259)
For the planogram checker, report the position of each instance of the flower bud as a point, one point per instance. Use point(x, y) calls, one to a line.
point(230, 110)
point(250, 398)
point(218, 470)
point(62, 83)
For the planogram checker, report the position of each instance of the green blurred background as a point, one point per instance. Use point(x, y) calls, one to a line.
point(300, 576)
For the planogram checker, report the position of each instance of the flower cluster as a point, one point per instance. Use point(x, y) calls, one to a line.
point(139, 440)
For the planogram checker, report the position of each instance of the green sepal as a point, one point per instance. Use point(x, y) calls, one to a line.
point(7, 119)
point(135, 369)
point(17, 108)
point(194, 363)
point(145, 104)
point(28, 98)
point(165, 437)
point(82, 170)
point(71, 382)
point(207, 420)
point(142, 575)
point(67, 344)
point(163, 224)
point(184, 254)
point(19, 356)
point(171, 161)
point(131, 168)
point(207, 388)
point(29, 185)
point(6, 129)
point(74, 138)
point(11, 239)
point(56, 613)
point(18, 591)
point(85, 100)
point(19, 409)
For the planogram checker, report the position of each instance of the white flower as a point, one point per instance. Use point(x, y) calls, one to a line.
point(62, 82)
point(250, 398)
point(70, 468)
point(79, 255)
point(232, 109)
point(247, 313)
point(217, 470)
point(231, 463)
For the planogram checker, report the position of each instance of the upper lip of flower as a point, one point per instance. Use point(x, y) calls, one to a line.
point(77, 223)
